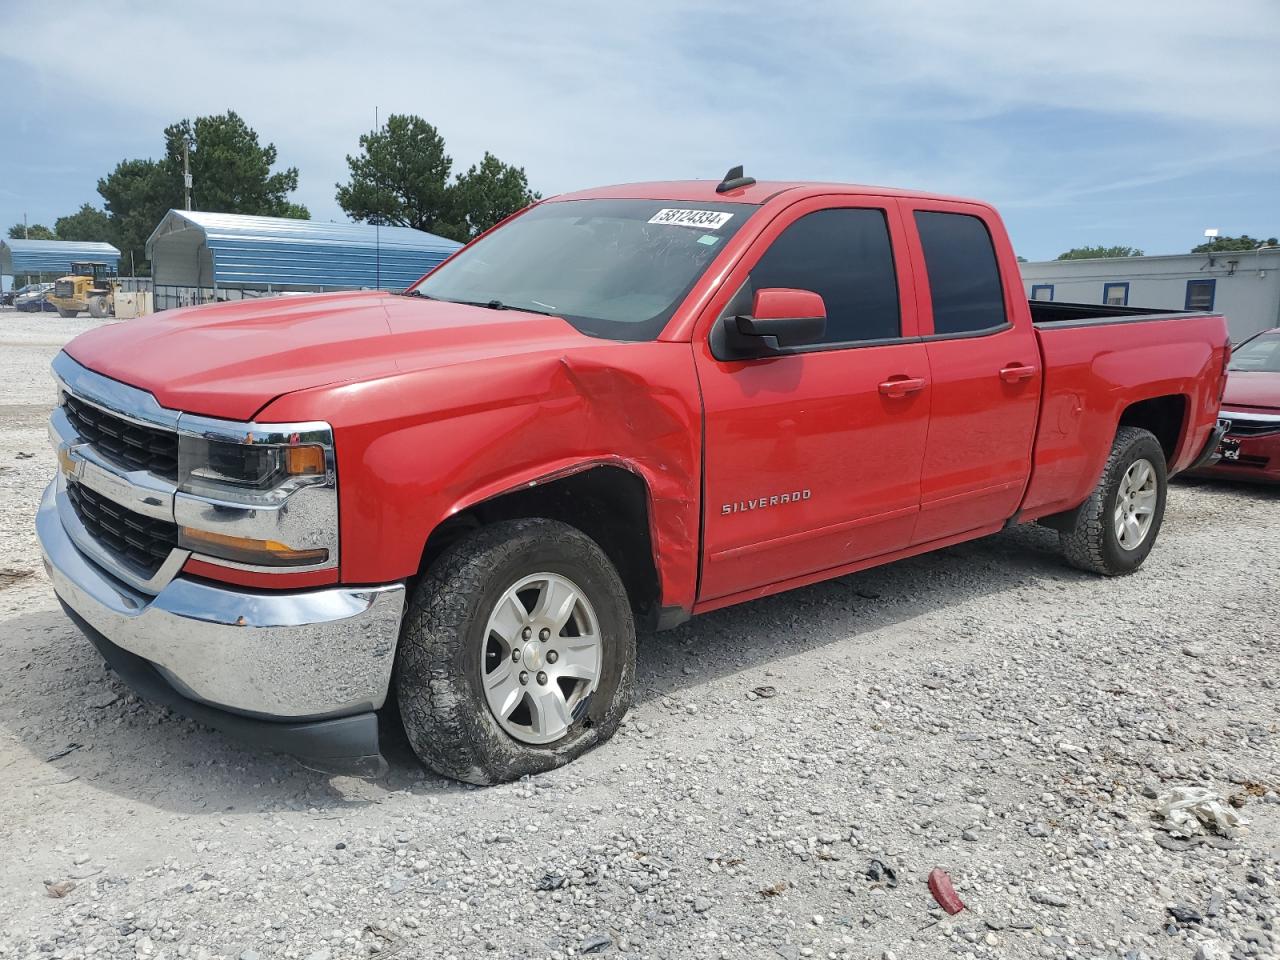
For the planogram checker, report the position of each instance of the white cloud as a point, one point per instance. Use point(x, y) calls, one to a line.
point(902, 91)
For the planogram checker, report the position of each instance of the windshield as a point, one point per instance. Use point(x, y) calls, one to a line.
point(612, 268)
point(1262, 354)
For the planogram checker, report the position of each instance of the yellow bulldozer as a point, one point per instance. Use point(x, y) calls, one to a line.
point(90, 286)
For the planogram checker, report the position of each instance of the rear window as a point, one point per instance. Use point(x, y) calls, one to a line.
point(964, 281)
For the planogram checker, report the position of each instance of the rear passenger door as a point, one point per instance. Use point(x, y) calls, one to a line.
point(812, 457)
point(984, 365)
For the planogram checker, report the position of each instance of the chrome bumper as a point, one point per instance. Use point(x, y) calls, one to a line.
point(305, 655)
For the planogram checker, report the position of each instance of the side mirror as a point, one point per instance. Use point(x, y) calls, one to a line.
point(780, 318)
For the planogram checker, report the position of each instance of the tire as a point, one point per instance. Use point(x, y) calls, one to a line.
point(98, 308)
point(447, 652)
point(1093, 542)
point(67, 314)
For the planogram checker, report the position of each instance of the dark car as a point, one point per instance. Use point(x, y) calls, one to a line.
point(34, 298)
point(1251, 448)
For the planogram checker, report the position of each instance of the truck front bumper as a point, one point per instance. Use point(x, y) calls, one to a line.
point(300, 672)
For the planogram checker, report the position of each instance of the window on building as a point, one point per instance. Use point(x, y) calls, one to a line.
point(1200, 294)
point(844, 256)
point(1042, 291)
point(964, 281)
point(1116, 294)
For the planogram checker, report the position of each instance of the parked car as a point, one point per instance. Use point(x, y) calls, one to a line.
point(623, 406)
point(1251, 404)
point(33, 298)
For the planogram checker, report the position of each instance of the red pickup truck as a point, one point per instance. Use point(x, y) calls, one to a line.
point(619, 407)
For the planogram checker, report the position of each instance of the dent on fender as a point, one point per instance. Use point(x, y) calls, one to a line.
point(537, 419)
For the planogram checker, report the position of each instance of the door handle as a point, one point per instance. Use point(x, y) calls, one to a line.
point(897, 387)
point(1016, 373)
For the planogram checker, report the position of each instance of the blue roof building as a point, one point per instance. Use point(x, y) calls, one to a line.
point(21, 258)
point(198, 257)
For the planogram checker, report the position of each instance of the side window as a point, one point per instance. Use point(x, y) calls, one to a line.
point(843, 255)
point(964, 281)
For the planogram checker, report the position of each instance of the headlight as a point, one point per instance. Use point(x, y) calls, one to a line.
point(257, 495)
point(250, 466)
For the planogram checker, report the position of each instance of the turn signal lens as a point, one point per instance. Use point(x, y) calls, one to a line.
point(265, 553)
point(304, 461)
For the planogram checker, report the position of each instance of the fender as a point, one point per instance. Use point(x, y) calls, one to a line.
point(421, 446)
point(668, 538)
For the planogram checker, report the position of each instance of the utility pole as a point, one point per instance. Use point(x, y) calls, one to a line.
point(26, 234)
point(186, 171)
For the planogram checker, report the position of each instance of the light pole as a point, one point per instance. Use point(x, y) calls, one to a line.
point(186, 170)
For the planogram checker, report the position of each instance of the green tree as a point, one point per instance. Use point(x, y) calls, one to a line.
point(137, 195)
point(1099, 253)
point(401, 176)
point(230, 168)
point(34, 231)
point(486, 194)
point(1225, 244)
point(231, 173)
point(88, 224)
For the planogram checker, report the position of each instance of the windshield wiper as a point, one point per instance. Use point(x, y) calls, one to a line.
point(487, 304)
point(499, 305)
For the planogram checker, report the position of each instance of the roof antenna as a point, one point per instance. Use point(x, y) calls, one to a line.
point(734, 179)
point(377, 224)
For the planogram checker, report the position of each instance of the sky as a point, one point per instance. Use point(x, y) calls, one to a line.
point(1135, 122)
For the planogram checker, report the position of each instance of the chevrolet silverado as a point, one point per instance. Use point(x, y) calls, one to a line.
point(618, 408)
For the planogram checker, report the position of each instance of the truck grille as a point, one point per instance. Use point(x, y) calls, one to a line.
point(64, 288)
point(1244, 426)
point(131, 445)
point(143, 541)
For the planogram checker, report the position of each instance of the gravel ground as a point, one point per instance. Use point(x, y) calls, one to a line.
point(985, 710)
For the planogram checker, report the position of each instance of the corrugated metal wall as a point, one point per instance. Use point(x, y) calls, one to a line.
point(279, 253)
point(22, 257)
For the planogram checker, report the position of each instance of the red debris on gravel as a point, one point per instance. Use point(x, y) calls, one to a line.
point(942, 890)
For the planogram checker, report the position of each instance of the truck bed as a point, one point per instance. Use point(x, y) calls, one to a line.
point(1052, 311)
point(1100, 360)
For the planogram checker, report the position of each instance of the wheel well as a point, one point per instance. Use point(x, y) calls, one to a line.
point(1163, 416)
point(608, 504)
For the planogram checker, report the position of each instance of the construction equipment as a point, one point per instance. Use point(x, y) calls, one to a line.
point(90, 286)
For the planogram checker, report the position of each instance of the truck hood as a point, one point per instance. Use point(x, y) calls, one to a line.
point(1252, 388)
point(232, 359)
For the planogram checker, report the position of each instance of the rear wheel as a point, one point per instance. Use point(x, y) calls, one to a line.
point(518, 653)
point(67, 314)
point(1117, 526)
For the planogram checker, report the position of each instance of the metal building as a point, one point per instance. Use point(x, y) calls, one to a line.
point(1243, 285)
point(51, 258)
point(201, 257)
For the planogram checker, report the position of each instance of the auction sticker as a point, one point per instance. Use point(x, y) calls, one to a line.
point(702, 219)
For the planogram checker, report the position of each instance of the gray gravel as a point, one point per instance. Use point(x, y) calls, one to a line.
point(985, 710)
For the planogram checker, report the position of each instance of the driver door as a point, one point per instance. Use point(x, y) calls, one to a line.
point(813, 455)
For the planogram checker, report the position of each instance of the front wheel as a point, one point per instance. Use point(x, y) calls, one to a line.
point(1116, 527)
point(99, 309)
point(518, 653)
